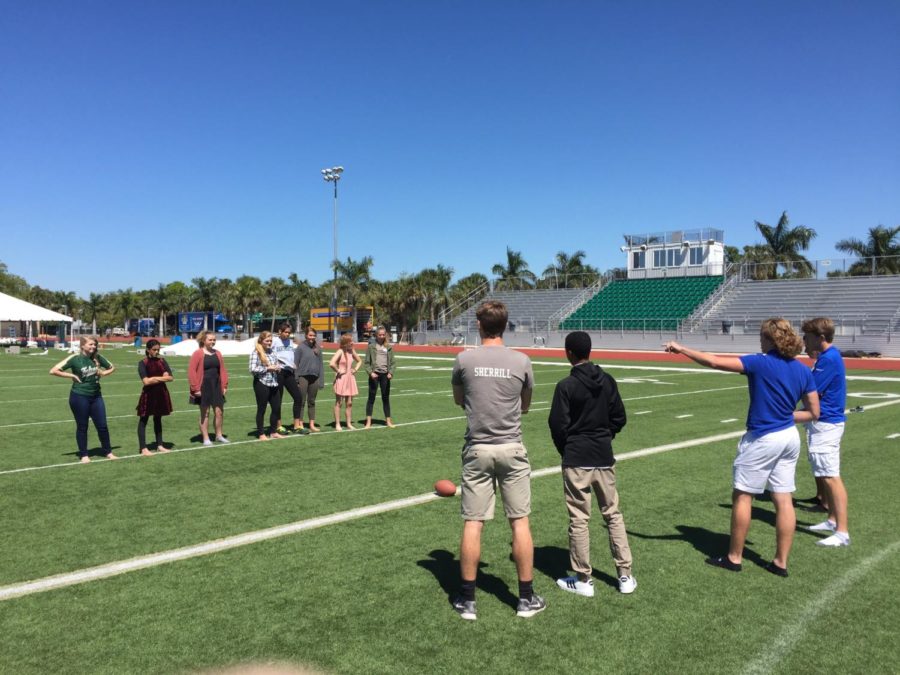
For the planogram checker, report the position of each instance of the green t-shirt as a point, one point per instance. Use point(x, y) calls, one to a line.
point(86, 369)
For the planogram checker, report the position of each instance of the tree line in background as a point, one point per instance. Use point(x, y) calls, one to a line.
point(422, 296)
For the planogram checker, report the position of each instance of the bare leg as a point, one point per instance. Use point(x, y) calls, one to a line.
point(822, 493)
point(785, 524)
point(368, 422)
point(220, 415)
point(741, 510)
point(204, 423)
point(836, 494)
point(522, 548)
point(348, 412)
point(337, 413)
point(470, 549)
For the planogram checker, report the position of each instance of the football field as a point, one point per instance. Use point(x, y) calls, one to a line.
point(330, 550)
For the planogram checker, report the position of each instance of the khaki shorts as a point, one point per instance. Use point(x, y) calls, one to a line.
point(487, 467)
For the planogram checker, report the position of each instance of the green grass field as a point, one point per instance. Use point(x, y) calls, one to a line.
point(369, 595)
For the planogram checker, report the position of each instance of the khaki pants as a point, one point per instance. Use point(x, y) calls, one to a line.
point(577, 484)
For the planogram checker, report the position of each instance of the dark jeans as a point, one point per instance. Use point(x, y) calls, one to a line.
point(287, 380)
point(93, 408)
point(309, 387)
point(267, 396)
point(142, 430)
point(383, 383)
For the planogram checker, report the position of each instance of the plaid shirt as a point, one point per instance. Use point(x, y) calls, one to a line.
point(259, 369)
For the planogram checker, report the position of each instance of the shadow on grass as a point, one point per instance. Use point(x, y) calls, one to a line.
point(704, 541)
point(93, 452)
point(553, 561)
point(445, 568)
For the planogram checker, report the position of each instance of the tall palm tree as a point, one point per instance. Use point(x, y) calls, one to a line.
point(880, 252)
point(175, 298)
point(435, 285)
point(570, 271)
point(514, 275)
point(785, 243)
point(203, 295)
point(275, 289)
point(249, 292)
point(298, 299)
point(353, 277)
point(92, 307)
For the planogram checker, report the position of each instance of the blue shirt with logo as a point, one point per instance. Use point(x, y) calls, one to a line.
point(831, 382)
point(776, 385)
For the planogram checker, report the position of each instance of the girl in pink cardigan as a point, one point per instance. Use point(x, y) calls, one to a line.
point(208, 380)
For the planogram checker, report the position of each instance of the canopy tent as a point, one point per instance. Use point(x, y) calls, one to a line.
point(13, 309)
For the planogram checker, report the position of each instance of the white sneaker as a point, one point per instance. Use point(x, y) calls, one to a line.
point(222, 439)
point(827, 526)
point(627, 584)
point(574, 585)
point(835, 540)
point(207, 442)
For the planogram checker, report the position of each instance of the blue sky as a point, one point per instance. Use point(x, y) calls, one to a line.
point(148, 142)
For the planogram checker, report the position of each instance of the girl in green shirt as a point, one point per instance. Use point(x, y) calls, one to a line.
point(85, 370)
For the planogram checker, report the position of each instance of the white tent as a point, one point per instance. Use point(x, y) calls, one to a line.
point(13, 309)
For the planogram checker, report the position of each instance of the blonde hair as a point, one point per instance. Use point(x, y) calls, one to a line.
point(260, 350)
point(782, 335)
point(201, 336)
point(84, 339)
point(346, 339)
point(387, 335)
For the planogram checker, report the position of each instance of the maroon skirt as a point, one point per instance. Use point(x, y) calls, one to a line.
point(154, 400)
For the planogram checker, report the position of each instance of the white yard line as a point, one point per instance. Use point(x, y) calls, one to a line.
point(788, 634)
point(256, 536)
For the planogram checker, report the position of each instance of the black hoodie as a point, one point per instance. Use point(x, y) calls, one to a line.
point(586, 414)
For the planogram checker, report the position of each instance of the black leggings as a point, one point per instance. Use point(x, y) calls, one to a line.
point(383, 383)
point(142, 430)
point(267, 396)
point(286, 380)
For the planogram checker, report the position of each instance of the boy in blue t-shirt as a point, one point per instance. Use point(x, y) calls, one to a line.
point(824, 435)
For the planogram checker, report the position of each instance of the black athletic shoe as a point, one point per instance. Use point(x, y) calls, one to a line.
point(531, 607)
point(465, 608)
point(776, 570)
point(723, 562)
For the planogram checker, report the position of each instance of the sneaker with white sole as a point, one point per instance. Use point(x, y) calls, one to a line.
point(835, 540)
point(465, 608)
point(531, 607)
point(826, 526)
point(207, 442)
point(627, 584)
point(576, 586)
point(222, 439)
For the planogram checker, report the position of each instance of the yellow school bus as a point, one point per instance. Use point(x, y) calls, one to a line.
point(344, 320)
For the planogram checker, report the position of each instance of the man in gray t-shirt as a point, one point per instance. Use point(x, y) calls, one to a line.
point(494, 384)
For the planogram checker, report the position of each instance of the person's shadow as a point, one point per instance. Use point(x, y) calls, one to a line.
point(706, 542)
point(553, 561)
point(94, 452)
point(445, 568)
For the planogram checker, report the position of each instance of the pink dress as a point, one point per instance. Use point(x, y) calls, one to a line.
point(345, 385)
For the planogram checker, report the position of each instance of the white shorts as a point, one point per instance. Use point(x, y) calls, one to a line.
point(824, 441)
point(767, 462)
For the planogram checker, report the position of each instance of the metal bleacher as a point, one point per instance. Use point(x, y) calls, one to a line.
point(858, 305)
point(528, 310)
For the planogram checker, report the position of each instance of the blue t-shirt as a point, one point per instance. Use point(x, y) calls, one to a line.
point(776, 385)
point(831, 382)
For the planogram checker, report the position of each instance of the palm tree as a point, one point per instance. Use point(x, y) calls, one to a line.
point(570, 271)
point(514, 275)
point(353, 277)
point(93, 306)
point(125, 303)
point(275, 289)
point(249, 293)
point(202, 296)
point(175, 298)
point(298, 299)
point(785, 243)
point(880, 253)
point(434, 283)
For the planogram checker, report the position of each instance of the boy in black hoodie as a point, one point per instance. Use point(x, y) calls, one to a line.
point(586, 414)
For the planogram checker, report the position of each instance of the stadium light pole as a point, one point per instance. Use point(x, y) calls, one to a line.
point(333, 175)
